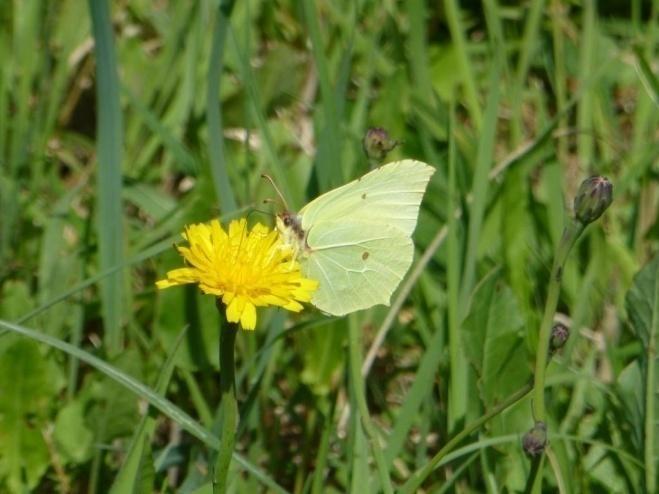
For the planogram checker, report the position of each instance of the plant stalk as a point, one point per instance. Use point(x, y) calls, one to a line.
point(228, 405)
point(570, 235)
point(369, 428)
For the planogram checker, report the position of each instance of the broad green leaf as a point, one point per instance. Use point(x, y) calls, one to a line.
point(630, 387)
point(72, 435)
point(642, 303)
point(494, 340)
point(15, 300)
point(114, 411)
point(28, 384)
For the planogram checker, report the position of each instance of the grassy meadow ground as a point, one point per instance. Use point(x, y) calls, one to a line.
point(121, 122)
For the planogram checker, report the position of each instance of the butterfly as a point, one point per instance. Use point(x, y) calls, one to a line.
point(356, 240)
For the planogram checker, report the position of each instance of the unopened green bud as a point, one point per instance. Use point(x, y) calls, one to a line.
point(377, 143)
point(535, 440)
point(593, 198)
point(559, 335)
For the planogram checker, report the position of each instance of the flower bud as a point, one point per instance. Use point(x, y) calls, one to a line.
point(377, 143)
point(595, 194)
point(559, 335)
point(535, 440)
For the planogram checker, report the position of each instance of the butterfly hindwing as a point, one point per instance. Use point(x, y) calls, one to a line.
point(357, 266)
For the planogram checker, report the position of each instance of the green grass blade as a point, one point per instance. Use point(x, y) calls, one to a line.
point(329, 174)
point(129, 478)
point(468, 79)
point(216, 149)
point(480, 184)
point(361, 408)
point(423, 383)
point(586, 139)
point(108, 182)
point(458, 365)
point(648, 78)
point(527, 49)
point(276, 167)
point(184, 158)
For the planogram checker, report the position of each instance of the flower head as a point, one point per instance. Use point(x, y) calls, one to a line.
point(244, 268)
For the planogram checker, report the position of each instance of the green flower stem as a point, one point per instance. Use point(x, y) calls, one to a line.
point(414, 482)
point(570, 235)
point(228, 406)
point(358, 386)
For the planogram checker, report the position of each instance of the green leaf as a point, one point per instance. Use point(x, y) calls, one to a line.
point(186, 306)
point(642, 304)
point(114, 411)
point(28, 383)
point(72, 436)
point(108, 181)
point(630, 388)
point(15, 300)
point(324, 356)
point(494, 340)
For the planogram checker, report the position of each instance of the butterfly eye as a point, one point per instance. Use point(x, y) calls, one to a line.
point(287, 221)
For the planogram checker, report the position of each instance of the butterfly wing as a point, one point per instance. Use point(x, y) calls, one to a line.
point(358, 265)
point(389, 195)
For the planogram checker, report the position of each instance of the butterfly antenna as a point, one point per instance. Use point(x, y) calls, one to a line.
point(274, 186)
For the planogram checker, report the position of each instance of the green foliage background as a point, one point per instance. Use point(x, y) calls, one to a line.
point(121, 123)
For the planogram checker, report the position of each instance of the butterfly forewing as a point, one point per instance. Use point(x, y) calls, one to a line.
point(389, 195)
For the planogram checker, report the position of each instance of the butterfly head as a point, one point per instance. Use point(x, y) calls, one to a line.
point(290, 228)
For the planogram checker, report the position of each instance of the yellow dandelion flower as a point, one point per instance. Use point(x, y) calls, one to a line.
point(246, 269)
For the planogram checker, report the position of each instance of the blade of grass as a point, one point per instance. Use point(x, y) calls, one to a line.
point(649, 80)
point(216, 149)
point(184, 159)
point(323, 452)
point(129, 477)
point(527, 50)
point(585, 139)
point(557, 12)
point(329, 174)
point(165, 406)
point(651, 397)
point(452, 10)
point(422, 385)
point(284, 181)
point(457, 406)
point(422, 80)
point(480, 184)
point(108, 186)
point(360, 398)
